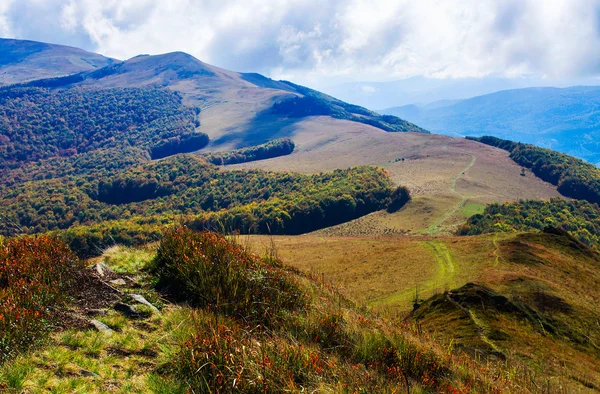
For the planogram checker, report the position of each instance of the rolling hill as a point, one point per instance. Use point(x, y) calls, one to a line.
point(22, 61)
point(564, 119)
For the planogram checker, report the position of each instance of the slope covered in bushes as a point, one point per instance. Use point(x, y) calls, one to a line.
point(38, 276)
point(579, 218)
point(275, 148)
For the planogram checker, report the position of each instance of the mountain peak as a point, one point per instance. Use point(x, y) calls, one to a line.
point(23, 60)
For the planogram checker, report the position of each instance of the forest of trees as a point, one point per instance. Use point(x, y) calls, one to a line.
point(581, 219)
point(574, 177)
point(275, 148)
point(77, 162)
point(188, 186)
point(37, 123)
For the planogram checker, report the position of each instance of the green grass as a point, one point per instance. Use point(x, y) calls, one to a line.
point(91, 362)
point(472, 208)
point(460, 206)
point(443, 279)
point(126, 260)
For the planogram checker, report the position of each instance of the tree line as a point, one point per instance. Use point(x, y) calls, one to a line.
point(574, 177)
point(269, 150)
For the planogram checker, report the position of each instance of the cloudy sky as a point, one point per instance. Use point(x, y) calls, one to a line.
point(313, 41)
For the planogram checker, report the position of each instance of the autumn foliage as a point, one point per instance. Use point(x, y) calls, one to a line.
point(37, 276)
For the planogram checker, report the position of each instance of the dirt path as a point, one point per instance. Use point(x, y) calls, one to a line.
point(435, 227)
point(496, 250)
point(446, 269)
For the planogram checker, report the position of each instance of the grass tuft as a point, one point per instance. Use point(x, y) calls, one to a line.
point(209, 270)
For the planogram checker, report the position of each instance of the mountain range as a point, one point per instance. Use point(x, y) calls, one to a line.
point(421, 90)
point(564, 119)
point(236, 107)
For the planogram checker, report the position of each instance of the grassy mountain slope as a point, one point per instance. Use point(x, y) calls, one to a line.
point(574, 177)
point(449, 179)
point(22, 61)
point(562, 119)
point(534, 299)
point(78, 156)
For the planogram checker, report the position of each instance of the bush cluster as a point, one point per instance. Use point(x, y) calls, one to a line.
point(209, 270)
point(275, 148)
point(579, 218)
point(37, 276)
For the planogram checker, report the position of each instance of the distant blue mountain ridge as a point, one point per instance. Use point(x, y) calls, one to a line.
point(563, 119)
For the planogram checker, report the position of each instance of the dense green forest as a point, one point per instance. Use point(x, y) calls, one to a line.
point(275, 148)
point(581, 219)
point(574, 177)
point(181, 184)
point(38, 123)
point(186, 185)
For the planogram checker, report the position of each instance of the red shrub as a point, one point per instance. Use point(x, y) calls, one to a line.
point(37, 275)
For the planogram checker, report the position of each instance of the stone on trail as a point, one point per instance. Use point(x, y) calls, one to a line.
point(139, 298)
point(103, 328)
point(102, 269)
point(118, 282)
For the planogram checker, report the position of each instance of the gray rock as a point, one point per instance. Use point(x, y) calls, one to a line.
point(140, 298)
point(103, 328)
point(85, 372)
point(118, 282)
point(102, 269)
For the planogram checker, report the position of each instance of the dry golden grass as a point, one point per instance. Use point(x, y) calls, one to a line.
point(383, 272)
point(548, 273)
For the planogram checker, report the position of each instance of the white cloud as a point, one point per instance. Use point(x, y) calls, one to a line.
point(368, 89)
point(315, 40)
point(68, 16)
point(5, 26)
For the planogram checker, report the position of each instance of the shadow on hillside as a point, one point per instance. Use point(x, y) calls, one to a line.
point(265, 126)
